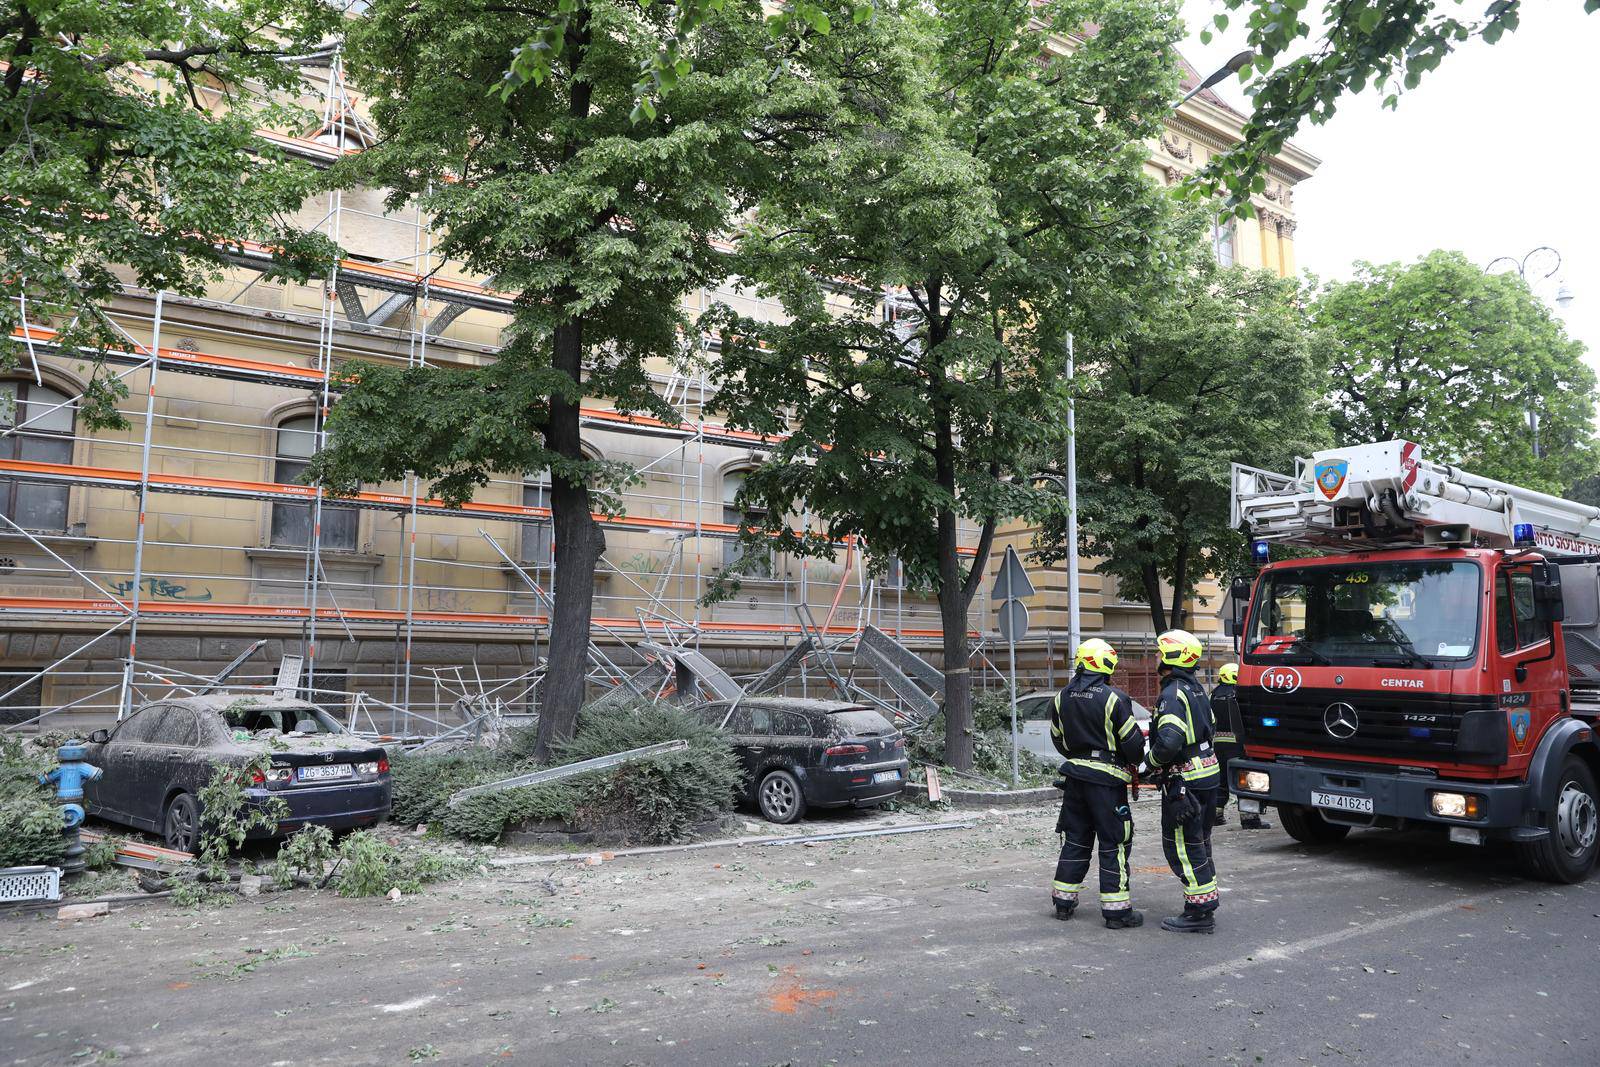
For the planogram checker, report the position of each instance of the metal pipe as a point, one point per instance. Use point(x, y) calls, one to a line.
point(144, 502)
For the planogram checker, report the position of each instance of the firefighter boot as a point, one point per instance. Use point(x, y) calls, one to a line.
point(1253, 822)
point(1191, 922)
point(1064, 909)
point(1221, 817)
point(1126, 919)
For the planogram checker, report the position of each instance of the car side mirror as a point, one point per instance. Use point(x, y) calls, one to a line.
point(99, 737)
point(1548, 603)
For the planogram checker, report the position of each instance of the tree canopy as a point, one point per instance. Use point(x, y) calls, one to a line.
point(601, 224)
point(1215, 366)
point(1462, 362)
point(1308, 57)
point(128, 150)
point(985, 182)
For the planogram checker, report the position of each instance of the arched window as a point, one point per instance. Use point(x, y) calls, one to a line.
point(38, 424)
point(733, 515)
point(538, 537)
point(291, 523)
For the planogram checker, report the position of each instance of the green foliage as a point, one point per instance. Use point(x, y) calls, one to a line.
point(228, 816)
point(658, 800)
point(997, 183)
point(30, 818)
point(306, 853)
point(101, 855)
point(370, 867)
point(1208, 368)
point(118, 165)
point(1440, 353)
point(1387, 44)
point(991, 745)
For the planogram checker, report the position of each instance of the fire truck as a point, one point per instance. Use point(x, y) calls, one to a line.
point(1432, 659)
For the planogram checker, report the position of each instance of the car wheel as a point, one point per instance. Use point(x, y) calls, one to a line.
point(181, 826)
point(1567, 853)
point(780, 797)
point(1309, 827)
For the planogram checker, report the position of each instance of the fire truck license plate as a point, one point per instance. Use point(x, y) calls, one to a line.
point(1341, 802)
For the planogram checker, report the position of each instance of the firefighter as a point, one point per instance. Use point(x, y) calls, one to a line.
point(1092, 726)
point(1182, 758)
point(1225, 707)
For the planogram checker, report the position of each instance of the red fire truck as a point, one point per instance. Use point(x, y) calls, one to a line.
point(1436, 663)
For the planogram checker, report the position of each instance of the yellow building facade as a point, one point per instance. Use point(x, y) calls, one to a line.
point(135, 559)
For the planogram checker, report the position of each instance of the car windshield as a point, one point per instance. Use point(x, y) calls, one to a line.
point(858, 722)
point(1402, 614)
point(284, 719)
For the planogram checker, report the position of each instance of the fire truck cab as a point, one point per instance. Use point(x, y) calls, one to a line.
point(1436, 663)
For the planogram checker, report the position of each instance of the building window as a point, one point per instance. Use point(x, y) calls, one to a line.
point(291, 523)
point(1222, 238)
point(26, 703)
point(894, 574)
point(538, 537)
point(38, 423)
point(733, 549)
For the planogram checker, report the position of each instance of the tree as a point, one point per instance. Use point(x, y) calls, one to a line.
point(1462, 362)
point(991, 182)
point(128, 148)
point(601, 225)
point(1213, 367)
point(1389, 44)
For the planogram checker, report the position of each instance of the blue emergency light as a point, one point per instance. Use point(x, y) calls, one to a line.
point(1260, 550)
point(1522, 533)
point(1269, 722)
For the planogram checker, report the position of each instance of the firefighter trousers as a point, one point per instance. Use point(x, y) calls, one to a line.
point(1091, 811)
point(1186, 839)
point(1225, 753)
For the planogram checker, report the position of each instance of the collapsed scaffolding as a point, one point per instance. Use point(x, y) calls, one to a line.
point(656, 651)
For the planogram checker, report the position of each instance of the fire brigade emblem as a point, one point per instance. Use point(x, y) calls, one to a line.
point(1521, 721)
point(1330, 475)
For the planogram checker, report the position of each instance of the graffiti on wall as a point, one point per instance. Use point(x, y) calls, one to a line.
point(161, 589)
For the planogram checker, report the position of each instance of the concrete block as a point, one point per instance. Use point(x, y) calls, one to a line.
point(83, 911)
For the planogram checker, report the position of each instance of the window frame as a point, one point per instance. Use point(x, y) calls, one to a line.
point(336, 518)
point(732, 515)
point(36, 436)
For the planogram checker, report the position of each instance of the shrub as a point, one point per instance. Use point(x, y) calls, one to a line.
point(306, 853)
point(370, 867)
point(30, 819)
point(227, 817)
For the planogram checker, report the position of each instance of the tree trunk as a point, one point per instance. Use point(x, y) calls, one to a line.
point(957, 673)
point(1152, 596)
point(578, 544)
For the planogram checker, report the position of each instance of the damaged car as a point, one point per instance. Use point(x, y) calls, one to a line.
point(157, 760)
point(800, 754)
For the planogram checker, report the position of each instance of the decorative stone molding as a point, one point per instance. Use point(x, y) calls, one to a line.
point(1177, 149)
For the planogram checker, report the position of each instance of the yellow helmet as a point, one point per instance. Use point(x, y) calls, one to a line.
point(1179, 648)
point(1228, 674)
point(1096, 655)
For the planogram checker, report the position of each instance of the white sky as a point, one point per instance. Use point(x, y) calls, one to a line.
point(1495, 153)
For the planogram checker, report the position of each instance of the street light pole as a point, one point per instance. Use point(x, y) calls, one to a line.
point(1564, 298)
point(1073, 626)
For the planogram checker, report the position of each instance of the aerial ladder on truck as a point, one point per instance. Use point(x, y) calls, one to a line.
point(1437, 662)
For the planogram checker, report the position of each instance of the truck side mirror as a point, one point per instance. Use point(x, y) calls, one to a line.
point(1548, 603)
point(1234, 606)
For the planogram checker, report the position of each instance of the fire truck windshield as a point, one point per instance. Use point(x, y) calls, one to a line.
point(1401, 614)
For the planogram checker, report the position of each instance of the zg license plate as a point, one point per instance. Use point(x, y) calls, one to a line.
point(1342, 802)
point(322, 774)
point(885, 776)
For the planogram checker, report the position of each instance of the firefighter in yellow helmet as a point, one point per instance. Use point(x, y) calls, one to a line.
point(1225, 708)
point(1182, 757)
point(1092, 726)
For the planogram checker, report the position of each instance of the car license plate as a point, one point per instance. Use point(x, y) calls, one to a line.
point(322, 774)
point(1342, 802)
point(885, 776)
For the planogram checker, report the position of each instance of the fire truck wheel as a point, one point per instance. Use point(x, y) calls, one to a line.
point(1309, 827)
point(1567, 854)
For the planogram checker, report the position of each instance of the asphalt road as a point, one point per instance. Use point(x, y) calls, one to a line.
point(919, 949)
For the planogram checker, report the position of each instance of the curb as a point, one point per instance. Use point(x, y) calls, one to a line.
point(1048, 796)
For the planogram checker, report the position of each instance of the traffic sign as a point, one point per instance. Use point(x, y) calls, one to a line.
point(1012, 581)
point(1012, 619)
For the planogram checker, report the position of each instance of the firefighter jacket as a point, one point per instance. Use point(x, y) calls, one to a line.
point(1225, 711)
point(1183, 730)
point(1092, 725)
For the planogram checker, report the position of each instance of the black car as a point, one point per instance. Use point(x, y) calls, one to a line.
point(156, 761)
point(812, 753)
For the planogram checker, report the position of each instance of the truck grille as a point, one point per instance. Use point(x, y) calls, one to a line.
point(1411, 726)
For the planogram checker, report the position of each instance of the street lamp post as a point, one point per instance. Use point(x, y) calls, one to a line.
point(1531, 269)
